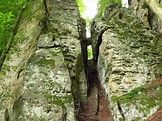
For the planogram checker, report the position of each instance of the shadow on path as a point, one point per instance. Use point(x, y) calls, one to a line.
point(97, 106)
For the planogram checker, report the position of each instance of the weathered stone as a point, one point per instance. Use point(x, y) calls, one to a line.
point(125, 62)
point(63, 17)
point(11, 84)
point(149, 12)
point(43, 74)
point(46, 41)
point(47, 87)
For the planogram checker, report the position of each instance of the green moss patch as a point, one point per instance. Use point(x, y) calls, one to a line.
point(114, 98)
point(60, 100)
point(135, 35)
point(133, 95)
point(143, 98)
point(45, 62)
point(147, 96)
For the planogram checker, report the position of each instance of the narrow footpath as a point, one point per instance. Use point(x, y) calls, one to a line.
point(97, 106)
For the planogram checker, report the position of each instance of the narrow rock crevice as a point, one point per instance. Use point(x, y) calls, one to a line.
point(95, 45)
point(44, 21)
point(97, 107)
point(45, 7)
point(54, 46)
point(6, 116)
point(120, 109)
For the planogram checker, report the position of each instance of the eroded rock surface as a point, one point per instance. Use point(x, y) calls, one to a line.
point(43, 75)
point(149, 12)
point(129, 57)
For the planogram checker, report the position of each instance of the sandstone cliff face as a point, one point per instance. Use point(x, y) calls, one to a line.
point(129, 58)
point(43, 73)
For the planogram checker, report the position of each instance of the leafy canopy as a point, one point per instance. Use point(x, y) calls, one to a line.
point(103, 3)
point(82, 6)
point(8, 12)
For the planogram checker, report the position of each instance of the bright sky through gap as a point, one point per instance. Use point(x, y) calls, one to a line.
point(91, 10)
point(91, 6)
point(125, 3)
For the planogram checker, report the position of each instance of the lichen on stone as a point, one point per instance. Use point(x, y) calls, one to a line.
point(129, 59)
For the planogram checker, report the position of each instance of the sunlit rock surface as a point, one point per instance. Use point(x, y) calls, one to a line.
point(43, 73)
point(149, 11)
point(129, 58)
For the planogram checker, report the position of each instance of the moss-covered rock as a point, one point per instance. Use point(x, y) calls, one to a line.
point(39, 72)
point(129, 57)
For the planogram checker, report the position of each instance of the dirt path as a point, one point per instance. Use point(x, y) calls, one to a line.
point(96, 108)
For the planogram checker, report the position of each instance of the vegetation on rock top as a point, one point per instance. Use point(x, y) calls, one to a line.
point(102, 5)
point(144, 98)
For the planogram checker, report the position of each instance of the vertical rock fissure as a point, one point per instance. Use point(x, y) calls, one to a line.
point(45, 7)
point(95, 46)
point(44, 21)
point(98, 46)
point(96, 108)
point(6, 117)
point(120, 110)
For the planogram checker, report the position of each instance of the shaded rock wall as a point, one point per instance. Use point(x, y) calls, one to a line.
point(129, 57)
point(43, 75)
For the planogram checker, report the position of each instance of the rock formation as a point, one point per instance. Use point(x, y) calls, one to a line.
point(43, 75)
point(128, 57)
point(149, 12)
point(46, 71)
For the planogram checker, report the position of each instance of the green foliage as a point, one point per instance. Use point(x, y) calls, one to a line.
point(6, 22)
point(158, 3)
point(82, 6)
point(13, 6)
point(103, 3)
point(9, 11)
point(90, 55)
